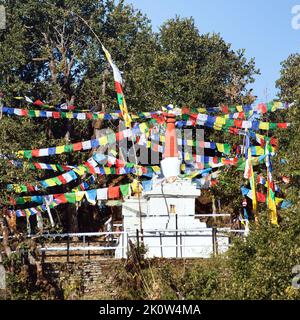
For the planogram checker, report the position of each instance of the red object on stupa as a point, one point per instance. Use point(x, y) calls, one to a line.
point(171, 149)
point(38, 103)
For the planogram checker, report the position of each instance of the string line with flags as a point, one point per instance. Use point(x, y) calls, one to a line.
point(216, 122)
point(235, 111)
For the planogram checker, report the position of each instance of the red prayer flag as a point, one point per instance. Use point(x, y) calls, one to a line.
point(118, 87)
point(225, 109)
point(38, 103)
point(62, 179)
point(77, 146)
point(282, 125)
point(238, 123)
point(56, 115)
point(261, 197)
point(113, 192)
point(35, 153)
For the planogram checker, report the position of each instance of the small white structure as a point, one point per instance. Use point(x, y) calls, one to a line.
point(166, 214)
point(170, 228)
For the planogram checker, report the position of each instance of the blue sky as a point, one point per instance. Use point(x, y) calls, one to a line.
point(262, 27)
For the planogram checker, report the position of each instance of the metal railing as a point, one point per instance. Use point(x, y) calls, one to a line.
point(106, 243)
point(110, 241)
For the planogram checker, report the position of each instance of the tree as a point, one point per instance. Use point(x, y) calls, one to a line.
point(199, 69)
point(49, 51)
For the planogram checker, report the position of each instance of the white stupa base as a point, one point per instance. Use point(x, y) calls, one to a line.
point(170, 167)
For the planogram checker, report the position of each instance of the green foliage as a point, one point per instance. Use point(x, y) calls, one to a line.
point(53, 55)
point(261, 266)
point(228, 187)
point(197, 69)
point(56, 55)
point(17, 134)
point(48, 52)
point(258, 267)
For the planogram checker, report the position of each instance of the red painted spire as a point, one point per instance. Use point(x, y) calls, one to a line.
point(171, 149)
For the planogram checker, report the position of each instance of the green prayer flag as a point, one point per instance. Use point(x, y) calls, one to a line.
point(68, 148)
point(120, 98)
point(28, 154)
point(241, 165)
point(71, 197)
point(57, 181)
point(227, 148)
point(59, 167)
point(125, 189)
point(20, 201)
point(31, 113)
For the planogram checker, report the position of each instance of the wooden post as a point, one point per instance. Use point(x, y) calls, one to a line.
point(214, 240)
point(137, 238)
point(180, 237)
point(214, 209)
point(161, 248)
point(83, 241)
point(68, 251)
point(123, 235)
point(43, 257)
point(176, 224)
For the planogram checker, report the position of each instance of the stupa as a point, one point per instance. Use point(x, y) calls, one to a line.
point(164, 217)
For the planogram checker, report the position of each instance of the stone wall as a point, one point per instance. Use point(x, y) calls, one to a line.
point(84, 280)
point(95, 280)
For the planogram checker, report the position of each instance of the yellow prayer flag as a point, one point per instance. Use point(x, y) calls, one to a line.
point(220, 147)
point(217, 127)
point(136, 187)
point(273, 211)
point(264, 125)
point(79, 195)
point(220, 121)
point(50, 182)
point(252, 184)
point(156, 168)
point(60, 149)
point(143, 127)
point(103, 140)
point(20, 154)
point(17, 188)
point(80, 170)
point(278, 201)
point(107, 170)
point(53, 166)
point(259, 151)
point(276, 105)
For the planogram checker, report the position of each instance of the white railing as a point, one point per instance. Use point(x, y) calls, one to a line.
point(112, 241)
